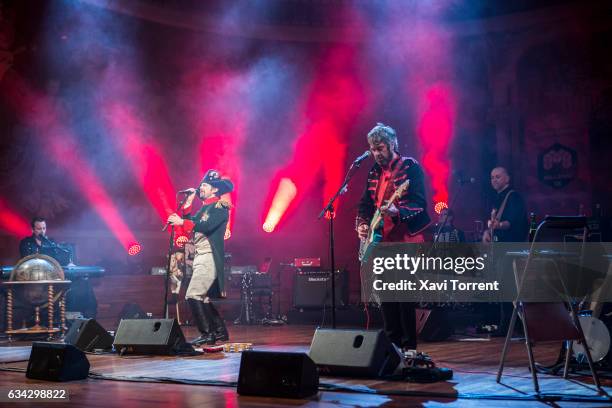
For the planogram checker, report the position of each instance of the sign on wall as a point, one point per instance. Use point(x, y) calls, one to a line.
point(557, 165)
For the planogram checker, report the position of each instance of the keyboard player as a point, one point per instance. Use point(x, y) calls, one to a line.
point(39, 243)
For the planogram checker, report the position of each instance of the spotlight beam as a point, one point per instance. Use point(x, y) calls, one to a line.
point(285, 193)
point(144, 157)
point(435, 131)
point(12, 222)
point(43, 113)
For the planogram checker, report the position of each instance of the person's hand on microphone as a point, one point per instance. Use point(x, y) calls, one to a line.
point(191, 195)
point(175, 219)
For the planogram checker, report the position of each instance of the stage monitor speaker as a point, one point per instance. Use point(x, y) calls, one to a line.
point(150, 336)
point(57, 362)
point(87, 335)
point(355, 353)
point(312, 290)
point(276, 374)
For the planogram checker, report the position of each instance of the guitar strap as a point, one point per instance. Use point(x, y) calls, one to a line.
point(390, 183)
point(503, 206)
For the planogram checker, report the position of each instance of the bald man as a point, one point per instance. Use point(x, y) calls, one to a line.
point(508, 222)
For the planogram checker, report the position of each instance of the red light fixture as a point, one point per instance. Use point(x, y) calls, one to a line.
point(440, 205)
point(134, 249)
point(181, 240)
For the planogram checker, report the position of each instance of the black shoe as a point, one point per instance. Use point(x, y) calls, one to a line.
point(207, 338)
point(203, 321)
point(222, 335)
point(219, 328)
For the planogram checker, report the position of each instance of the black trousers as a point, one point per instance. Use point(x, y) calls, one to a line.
point(400, 323)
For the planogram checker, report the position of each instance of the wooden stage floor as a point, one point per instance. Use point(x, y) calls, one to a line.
point(474, 364)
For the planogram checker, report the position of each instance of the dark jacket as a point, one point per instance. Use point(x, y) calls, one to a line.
point(411, 202)
point(515, 213)
point(28, 246)
point(213, 226)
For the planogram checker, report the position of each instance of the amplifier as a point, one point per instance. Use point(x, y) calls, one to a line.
point(307, 262)
point(312, 290)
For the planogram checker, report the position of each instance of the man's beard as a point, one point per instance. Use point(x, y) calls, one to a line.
point(384, 161)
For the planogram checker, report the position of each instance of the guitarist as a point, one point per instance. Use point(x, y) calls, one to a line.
point(403, 221)
point(508, 221)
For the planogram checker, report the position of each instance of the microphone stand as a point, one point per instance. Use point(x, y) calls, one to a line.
point(279, 320)
point(53, 249)
point(170, 250)
point(329, 209)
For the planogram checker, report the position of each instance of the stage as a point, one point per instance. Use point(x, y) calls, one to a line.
point(210, 379)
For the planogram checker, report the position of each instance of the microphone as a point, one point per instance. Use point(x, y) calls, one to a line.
point(361, 158)
point(44, 238)
point(189, 190)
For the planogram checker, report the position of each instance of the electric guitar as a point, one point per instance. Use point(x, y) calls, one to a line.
point(375, 231)
point(490, 231)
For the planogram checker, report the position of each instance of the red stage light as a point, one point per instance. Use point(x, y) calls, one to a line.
point(145, 157)
point(435, 130)
point(134, 249)
point(285, 193)
point(223, 122)
point(59, 142)
point(181, 240)
point(440, 205)
point(12, 222)
point(330, 106)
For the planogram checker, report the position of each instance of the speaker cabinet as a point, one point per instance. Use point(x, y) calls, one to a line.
point(87, 335)
point(150, 336)
point(275, 374)
point(57, 362)
point(312, 290)
point(355, 353)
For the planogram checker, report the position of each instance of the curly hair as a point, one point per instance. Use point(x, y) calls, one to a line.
point(382, 133)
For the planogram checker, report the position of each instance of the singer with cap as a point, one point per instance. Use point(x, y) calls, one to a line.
point(403, 221)
point(209, 224)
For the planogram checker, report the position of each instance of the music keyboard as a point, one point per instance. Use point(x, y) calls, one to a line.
point(70, 272)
